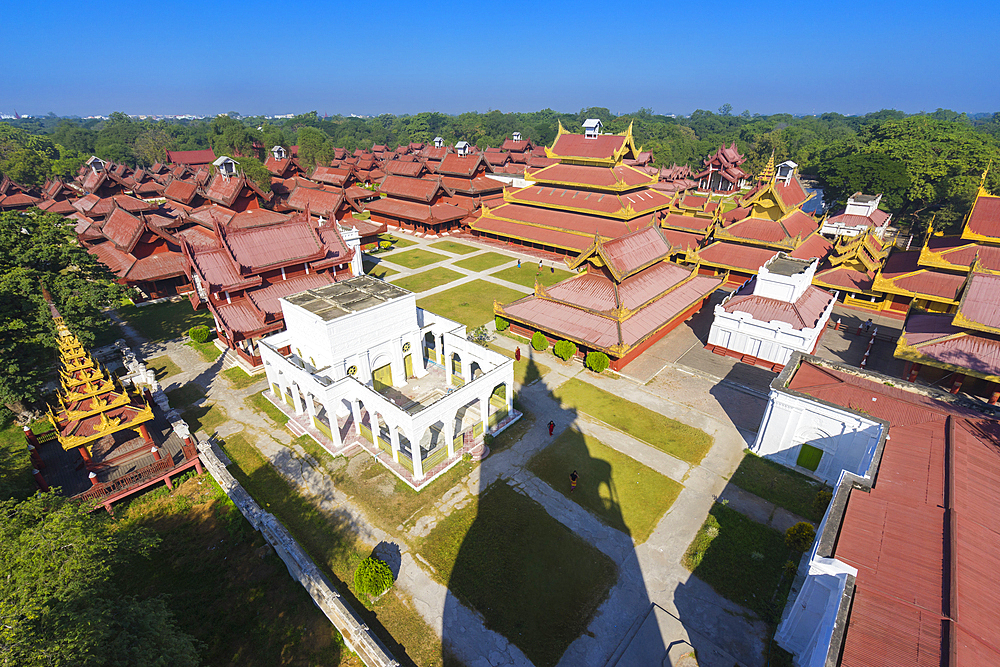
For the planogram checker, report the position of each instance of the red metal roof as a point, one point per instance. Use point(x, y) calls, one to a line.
point(256, 217)
point(981, 300)
point(205, 156)
point(331, 175)
point(591, 175)
point(320, 201)
point(805, 313)
point(876, 218)
point(261, 247)
point(581, 223)
point(635, 250)
point(454, 164)
point(157, 267)
point(216, 268)
point(182, 191)
point(686, 222)
point(985, 217)
point(265, 298)
point(241, 317)
point(735, 255)
point(577, 145)
point(123, 229)
point(408, 210)
point(417, 189)
point(643, 201)
point(224, 190)
point(404, 168)
point(847, 278)
point(816, 246)
point(792, 193)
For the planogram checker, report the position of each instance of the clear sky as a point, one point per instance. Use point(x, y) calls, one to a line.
point(364, 57)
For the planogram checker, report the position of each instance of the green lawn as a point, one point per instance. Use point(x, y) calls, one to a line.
point(260, 404)
point(239, 379)
point(208, 351)
point(377, 269)
point(330, 542)
point(482, 262)
point(526, 371)
point(242, 607)
point(624, 493)
point(780, 485)
point(531, 578)
point(451, 246)
point(668, 435)
point(429, 279)
point(163, 367)
point(16, 480)
point(206, 416)
point(471, 303)
point(414, 259)
point(396, 241)
point(528, 272)
point(742, 560)
point(165, 321)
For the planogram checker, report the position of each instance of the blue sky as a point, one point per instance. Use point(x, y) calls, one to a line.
point(87, 58)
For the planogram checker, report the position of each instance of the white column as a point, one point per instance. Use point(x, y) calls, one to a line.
point(449, 433)
point(394, 441)
point(310, 407)
point(416, 349)
point(356, 413)
point(396, 366)
point(334, 426)
point(418, 465)
point(484, 412)
point(296, 399)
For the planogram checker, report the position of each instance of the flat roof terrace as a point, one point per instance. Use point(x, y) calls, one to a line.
point(346, 297)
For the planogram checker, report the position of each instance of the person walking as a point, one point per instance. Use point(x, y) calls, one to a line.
point(517, 354)
point(573, 477)
point(552, 427)
point(519, 263)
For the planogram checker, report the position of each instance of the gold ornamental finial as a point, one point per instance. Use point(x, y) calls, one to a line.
point(766, 174)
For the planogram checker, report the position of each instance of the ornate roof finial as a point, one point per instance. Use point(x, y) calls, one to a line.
point(766, 174)
point(982, 181)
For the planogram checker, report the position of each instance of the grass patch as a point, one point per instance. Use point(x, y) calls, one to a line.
point(428, 279)
point(387, 501)
point(624, 493)
point(330, 543)
point(526, 370)
point(742, 560)
point(482, 262)
point(515, 431)
point(377, 269)
point(261, 404)
point(533, 580)
point(779, 485)
point(414, 259)
point(211, 569)
point(451, 246)
point(16, 480)
point(165, 321)
point(668, 435)
point(205, 416)
point(471, 303)
point(239, 379)
point(528, 272)
point(163, 367)
point(396, 241)
point(208, 350)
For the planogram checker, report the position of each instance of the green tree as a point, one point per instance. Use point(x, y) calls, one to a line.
point(38, 251)
point(151, 145)
point(58, 601)
point(870, 173)
point(256, 172)
point(26, 167)
point(315, 147)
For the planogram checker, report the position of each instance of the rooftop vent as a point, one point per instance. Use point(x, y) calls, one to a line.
point(516, 136)
point(96, 163)
point(462, 148)
point(279, 153)
point(226, 166)
point(438, 142)
point(785, 171)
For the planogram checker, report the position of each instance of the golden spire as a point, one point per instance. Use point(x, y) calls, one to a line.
point(982, 181)
point(766, 174)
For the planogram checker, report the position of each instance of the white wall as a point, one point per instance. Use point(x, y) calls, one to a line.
point(848, 440)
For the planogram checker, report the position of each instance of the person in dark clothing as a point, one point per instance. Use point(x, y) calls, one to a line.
point(552, 427)
point(573, 477)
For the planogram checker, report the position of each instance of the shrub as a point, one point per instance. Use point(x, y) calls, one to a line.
point(538, 341)
point(800, 536)
point(502, 324)
point(564, 349)
point(384, 245)
point(820, 502)
point(372, 578)
point(199, 334)
point(791, 568)
point(597, 361)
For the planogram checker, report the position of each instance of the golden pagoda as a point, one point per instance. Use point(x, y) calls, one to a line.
point(92, 402)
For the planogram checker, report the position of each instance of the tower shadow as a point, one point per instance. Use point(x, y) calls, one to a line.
point(548, 569)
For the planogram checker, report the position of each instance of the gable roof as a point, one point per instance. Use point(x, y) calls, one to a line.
point(198, 157)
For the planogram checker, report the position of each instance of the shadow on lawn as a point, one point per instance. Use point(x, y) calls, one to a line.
point(533, 579)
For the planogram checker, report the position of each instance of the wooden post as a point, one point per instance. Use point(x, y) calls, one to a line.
point(144, 432)
point(93, 479)
point(29, 435)
point(36, 460)
point(914, 370)
point(154, 450)
point(994, 398)
point(956, 386)
point(40, 480)
point(84, 453)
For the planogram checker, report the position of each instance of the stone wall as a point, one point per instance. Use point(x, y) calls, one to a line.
point(356, 634)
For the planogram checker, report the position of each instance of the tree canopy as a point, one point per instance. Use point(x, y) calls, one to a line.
point(58, 596)
point(38, 251)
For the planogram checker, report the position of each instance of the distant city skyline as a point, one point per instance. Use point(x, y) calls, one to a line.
point(264, 59)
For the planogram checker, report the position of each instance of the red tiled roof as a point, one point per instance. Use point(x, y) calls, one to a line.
point(204, 156)
point(181, 191)
point(805, 313)
point(734, 255)
point(633, 251)
point(591, 175)
point(331, 175)
point(265, 298)
point(256, 217)
point(320, 202)
point(641, 202)
point(454, 164)
point(258, 248)
point(578, 145)
point(409, 210)
point(240, 316)
point(403, 168)
point(417, 189)
point(157, 266)
point(985, 216)
point(123, 229)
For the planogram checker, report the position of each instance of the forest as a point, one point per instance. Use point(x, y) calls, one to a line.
point(927, 165)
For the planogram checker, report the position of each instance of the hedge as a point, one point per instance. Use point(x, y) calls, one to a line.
point(597, 362)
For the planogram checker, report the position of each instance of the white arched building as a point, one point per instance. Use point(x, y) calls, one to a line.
point(360, 362)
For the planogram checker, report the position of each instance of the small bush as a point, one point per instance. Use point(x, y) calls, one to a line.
point(791, 568)
point(538, 341)
point(564, 349)
point(821, 501)
point(384, 245)
point(800, 536)
point(199, 334)
point(372, 578)
point(502, 324)
point(597, 361)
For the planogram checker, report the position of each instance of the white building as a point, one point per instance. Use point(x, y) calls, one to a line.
point(862, 213)
point(360, 362)
point(773, 314)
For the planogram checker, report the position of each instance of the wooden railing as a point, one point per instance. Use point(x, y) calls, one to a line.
point(125, 482)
